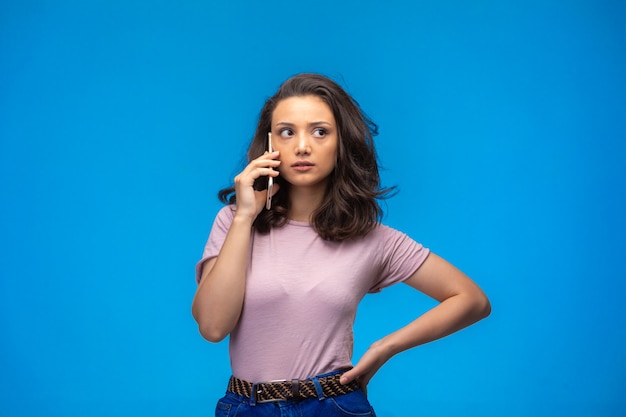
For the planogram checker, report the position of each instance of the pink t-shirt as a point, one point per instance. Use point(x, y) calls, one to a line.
point(302, 293)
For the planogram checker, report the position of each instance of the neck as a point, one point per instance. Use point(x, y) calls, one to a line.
point(303, 202)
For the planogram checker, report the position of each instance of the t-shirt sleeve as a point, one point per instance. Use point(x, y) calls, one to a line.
point(221, 224)
point(401, 257)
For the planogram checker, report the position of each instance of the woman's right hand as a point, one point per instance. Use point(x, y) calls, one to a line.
point(219, 299)
point(249, 201)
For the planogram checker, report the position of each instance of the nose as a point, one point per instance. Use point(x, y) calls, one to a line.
point(302, 145)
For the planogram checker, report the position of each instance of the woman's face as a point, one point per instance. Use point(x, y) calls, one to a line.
point(305, 133)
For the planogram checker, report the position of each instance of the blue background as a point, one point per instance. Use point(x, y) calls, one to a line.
point(502, 122)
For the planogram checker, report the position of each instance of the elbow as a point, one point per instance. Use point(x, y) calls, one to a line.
point(482, 307)
point(208, 328)
point(211, 333)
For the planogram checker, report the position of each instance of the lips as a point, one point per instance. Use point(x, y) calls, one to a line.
point(302, 164)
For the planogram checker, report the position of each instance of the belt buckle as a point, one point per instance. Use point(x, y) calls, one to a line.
point(256, 392)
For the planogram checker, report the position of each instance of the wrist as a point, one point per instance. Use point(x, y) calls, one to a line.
point(386, 347)
point(243, 219)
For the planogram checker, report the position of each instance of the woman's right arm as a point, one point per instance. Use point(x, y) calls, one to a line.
point(219, 298)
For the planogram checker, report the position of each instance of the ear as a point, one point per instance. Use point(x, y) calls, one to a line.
point(275, 188)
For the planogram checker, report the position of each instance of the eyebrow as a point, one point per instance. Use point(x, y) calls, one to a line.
point(318, 123)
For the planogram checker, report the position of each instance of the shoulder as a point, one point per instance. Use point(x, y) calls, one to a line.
point(224, 218)
point(382, 231)
point(226, 213)
point(391, 239)
point(382, 237)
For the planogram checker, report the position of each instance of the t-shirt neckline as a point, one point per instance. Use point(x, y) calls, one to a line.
point(298, 223)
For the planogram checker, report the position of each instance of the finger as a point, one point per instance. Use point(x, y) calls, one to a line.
point(267, 156)
point(348, 376)
point(264, 161)
point(251, 174)
point(263, 169)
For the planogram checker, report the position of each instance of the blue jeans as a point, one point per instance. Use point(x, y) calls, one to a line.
point(347, 405)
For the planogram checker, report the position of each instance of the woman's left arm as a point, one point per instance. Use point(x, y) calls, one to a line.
point(461, 303)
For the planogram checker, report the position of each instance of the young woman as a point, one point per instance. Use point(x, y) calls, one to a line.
point(284, 277)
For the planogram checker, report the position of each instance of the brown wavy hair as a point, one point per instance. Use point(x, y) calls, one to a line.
point(350, 207)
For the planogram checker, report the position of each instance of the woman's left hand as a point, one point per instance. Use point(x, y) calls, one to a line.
point(461, 303)
point(368, 365)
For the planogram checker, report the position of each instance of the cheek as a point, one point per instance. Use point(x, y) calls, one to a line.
point(334, 155)
point(331, 159)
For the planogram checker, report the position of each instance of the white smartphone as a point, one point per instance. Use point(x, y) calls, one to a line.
point(270, 179)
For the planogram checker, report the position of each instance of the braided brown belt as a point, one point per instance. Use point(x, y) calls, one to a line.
point(295, 389)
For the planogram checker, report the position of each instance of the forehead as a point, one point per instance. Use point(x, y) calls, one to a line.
point(302, 109)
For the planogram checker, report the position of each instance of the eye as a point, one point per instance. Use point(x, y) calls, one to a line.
point(285, 133)
point(319, 132)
